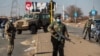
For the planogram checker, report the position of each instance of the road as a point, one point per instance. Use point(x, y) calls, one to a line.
point(80, 47)
point(75, 30)
point(19, 48)
point(44, 47)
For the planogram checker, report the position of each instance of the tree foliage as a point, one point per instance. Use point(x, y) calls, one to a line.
point(71, 10)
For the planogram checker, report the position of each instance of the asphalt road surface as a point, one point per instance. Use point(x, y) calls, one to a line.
point(19, 48)
point(78, 46)
point(76, 31)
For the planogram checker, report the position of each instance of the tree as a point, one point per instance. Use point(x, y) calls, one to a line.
point(72, 9)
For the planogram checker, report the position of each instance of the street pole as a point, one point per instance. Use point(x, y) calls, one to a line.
point(93, 17)
point(51, 11)
point(63, 13)
point(75, 10)
point(93, 4)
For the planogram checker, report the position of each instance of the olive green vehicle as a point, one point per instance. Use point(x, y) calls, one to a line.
point(33, 22)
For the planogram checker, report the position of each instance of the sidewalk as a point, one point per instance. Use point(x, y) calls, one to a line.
point(44, 47)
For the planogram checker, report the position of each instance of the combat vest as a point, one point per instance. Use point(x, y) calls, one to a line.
point(58, 28)
point(88, 24)
point(11, 28)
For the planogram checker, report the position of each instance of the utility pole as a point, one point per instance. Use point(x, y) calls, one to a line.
point(93, 17)
point(63, 12)
point(51, 11)
point(93, 4)
point(75, 13)
point(14, 9)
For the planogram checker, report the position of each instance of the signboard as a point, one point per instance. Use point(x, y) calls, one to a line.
point(75, 14)
point(93, 12)
point(28, 6)
point(39, 6)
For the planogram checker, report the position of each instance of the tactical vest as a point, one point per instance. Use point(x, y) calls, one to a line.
point(58, 28)
point(88, 24)
point(11, 28)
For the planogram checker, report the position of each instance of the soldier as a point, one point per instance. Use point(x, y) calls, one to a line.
point(57, 41)
point(10, 35)
point(87, 29)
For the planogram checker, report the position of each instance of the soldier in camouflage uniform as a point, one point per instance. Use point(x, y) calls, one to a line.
point(57, 42)
point(10, 35)
point(87, 29)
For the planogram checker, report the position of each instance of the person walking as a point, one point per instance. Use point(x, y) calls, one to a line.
point(57, 41)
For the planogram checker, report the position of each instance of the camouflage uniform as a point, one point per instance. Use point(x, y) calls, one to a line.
point(57, 42)
point(10, 35)
point(87, 29)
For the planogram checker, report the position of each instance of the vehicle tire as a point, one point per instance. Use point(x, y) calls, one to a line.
point(33, 30)
point(45, 29)
point(96, 37)
point(19, 31)
point(99, 38)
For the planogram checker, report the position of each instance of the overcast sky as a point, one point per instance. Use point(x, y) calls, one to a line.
point(85, 5)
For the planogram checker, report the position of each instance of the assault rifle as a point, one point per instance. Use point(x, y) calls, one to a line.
point(62, 36)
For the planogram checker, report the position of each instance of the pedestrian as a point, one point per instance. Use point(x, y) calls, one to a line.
point(58, 42)
point(10, 35)
point(87, 29)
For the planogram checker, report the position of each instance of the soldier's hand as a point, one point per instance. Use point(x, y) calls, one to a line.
point(69, 39)
point(67, 35)
point(9, 34)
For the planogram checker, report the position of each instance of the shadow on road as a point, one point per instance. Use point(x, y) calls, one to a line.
point(43, 52)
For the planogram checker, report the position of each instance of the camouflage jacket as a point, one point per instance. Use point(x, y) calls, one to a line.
point(87, 26)
point(10, 30)
point(56, 27)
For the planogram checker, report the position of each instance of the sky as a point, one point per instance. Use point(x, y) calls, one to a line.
point(85, 5)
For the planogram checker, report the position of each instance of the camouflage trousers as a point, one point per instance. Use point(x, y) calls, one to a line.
point(87, 32)
point(10, 46)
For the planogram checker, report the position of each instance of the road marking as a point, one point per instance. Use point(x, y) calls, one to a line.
point(30, 49)
point(26, 42)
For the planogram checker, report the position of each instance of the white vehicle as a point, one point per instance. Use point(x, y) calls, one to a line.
point(95, 30)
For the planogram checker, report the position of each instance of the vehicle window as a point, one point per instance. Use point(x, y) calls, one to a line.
point(26, 16)
point(45, 16)
point(36, 16)
point(97, 22)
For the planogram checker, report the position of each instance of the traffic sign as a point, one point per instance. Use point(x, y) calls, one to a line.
point(93, 12)
point(75, 14)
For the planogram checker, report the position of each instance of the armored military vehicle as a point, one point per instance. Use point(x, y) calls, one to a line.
point(43, 21)
point(33, 22)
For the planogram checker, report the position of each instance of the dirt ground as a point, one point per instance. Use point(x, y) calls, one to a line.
point(80, 47)
point(80, 24)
